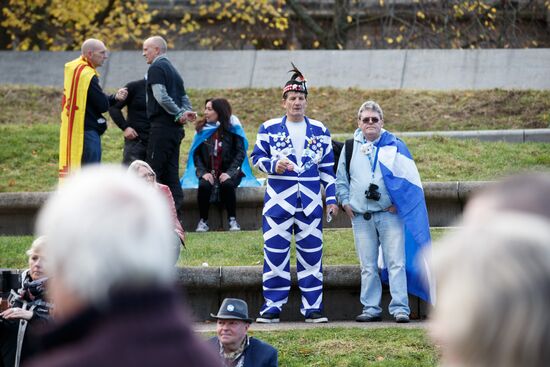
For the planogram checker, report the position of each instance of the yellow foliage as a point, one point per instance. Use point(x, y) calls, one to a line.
point(420, 15)
point(61, 25)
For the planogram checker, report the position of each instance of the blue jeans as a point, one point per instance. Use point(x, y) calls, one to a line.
point(384, 229)
point(92, 147)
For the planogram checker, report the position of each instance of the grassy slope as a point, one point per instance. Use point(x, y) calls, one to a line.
point(29, 128)
point(216, 248)
point(28, 157)
point(404, 110)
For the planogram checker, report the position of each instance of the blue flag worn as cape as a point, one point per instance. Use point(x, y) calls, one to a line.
point(190, 179)
point(403, 183)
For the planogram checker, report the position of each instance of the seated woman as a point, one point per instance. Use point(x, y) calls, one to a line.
point(219, 161)
point(143, 170)
point(28, 309)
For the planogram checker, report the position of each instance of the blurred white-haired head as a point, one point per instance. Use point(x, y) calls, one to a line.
point(493, 280)
point(105, 229)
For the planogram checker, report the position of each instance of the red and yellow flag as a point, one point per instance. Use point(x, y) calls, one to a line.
point(78, 74)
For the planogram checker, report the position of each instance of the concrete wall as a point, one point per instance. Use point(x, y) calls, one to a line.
point(207, 287)
point(445, 201)
point(369, 69)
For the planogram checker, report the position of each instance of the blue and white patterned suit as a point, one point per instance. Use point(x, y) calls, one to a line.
point(293, 204)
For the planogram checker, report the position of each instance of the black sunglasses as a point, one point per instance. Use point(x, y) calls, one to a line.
point(373, 120)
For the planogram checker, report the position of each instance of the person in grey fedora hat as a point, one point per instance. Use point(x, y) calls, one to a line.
point(235, 347)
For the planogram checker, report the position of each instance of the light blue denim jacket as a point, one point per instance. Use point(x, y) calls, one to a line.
point(353, 193)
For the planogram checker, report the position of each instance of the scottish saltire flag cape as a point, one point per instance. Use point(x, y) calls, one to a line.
point(190, 179)
point(78, 74)
point(403, 183)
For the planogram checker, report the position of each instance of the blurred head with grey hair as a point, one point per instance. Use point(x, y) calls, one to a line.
point(109, 259)
point(493, 282)
point(105, 229)
point(527, 192)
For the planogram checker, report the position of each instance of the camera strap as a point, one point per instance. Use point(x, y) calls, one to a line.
point(373, 164)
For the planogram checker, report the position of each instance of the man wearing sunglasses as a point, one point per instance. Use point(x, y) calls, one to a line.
point(378, 185)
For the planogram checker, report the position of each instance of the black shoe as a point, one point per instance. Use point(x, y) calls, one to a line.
point(268, 318)
point(402, 318)
point(365, 317)
point(316, 318)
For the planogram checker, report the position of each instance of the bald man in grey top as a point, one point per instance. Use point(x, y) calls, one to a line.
point(168, 109)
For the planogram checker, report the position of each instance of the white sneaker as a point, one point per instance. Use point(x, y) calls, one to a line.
point(233, 225)
point(202, 226)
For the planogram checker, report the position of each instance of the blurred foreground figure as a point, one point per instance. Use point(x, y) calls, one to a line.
point(110, 264)
point(144, 171)
point(28, 310)
point(526, 193)
point(493, 279)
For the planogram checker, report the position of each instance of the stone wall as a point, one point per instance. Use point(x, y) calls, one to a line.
point(445, 201)
point(374, 69)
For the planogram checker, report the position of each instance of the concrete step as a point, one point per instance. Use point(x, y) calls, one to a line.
point(206, 287)
point(210, 327)
point(445, 201)
point(508, 136)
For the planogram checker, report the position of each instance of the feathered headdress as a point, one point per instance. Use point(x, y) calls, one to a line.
point(297, 82)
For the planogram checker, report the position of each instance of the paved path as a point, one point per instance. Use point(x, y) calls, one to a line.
point(509, 136)
point(205, 327)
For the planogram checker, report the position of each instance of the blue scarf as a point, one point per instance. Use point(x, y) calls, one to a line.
point(190, 179)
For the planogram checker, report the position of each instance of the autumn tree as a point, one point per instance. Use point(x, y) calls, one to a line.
point(63, 25)
point(424, 23)
point(236, 23)
point(277, 24)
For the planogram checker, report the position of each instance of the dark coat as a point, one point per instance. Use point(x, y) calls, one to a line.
point(39, 320)
point(257, 354)
point(145, 328)
point(233, 155)
point(136, 109)
point(97, 103)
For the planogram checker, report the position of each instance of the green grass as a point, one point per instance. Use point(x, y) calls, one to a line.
point(28, 157)
point(333, 347)
point(29, 128)
point(217, 248)
point(405, 110)
point(444, 159)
